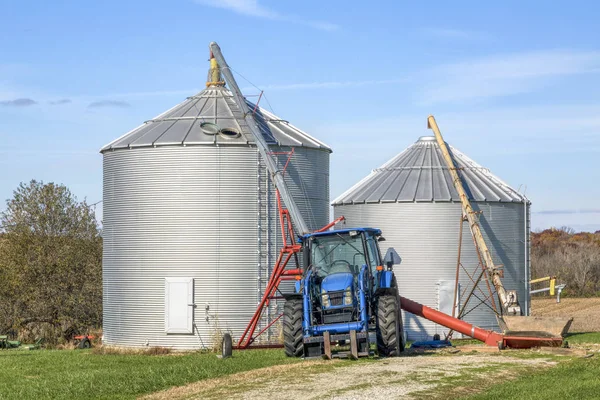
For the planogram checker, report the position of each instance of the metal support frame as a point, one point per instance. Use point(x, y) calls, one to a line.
point(475, 277)
point(493, 272)
point(281, 272)
point(458, 265)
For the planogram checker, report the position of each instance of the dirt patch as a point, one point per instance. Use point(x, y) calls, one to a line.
point(373, 379)
point(586, 312)
point(236, 380)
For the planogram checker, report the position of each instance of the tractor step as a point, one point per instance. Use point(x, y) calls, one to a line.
point(334, 338)
point(345, 355)
point(359, 345)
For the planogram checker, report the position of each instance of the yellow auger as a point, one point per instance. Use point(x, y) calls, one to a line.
point(514, 324)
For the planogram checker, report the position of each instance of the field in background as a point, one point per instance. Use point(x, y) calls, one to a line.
point(585, 311)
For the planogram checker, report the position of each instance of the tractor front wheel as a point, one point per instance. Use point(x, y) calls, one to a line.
point(292, 328)
point(389, 326)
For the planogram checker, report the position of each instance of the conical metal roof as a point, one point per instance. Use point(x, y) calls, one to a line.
point(184, 123)
point(419, 174)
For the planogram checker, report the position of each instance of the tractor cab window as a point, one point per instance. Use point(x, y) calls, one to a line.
point(374, 256)
point(337, 253)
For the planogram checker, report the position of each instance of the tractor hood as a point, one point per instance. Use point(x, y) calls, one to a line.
point(337, 281)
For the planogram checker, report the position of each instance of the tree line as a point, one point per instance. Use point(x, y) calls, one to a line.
point(574, 258)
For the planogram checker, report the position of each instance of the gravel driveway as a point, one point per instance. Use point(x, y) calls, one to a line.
point(391, 378)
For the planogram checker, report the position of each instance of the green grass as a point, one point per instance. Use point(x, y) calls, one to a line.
point(465, 342)
point(468, 380)
point(586, 337)
point(80, 374)
point(575, 379)
point(571, 378)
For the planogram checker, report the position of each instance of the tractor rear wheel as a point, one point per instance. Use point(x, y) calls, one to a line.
point(292, 328)
point(389, 326)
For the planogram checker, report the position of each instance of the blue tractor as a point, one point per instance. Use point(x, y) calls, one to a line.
point(347, 291)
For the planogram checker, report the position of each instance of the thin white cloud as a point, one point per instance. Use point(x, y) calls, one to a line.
point(505, 75)
point(568, 211)
point(60, 102)
point(450, 33)
point(249, 89)
point(245, 7)
point(182, 92)
point(46, 152)
point(109, 104)
point(254, 9)
point(329, 84)
point(580, 222)
point(19, 102)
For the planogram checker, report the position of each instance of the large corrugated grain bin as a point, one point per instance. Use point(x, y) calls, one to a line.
point(190, 222)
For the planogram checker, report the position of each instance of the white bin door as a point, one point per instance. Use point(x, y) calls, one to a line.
point(445, 302)
point(179, 305)
point(446, 296)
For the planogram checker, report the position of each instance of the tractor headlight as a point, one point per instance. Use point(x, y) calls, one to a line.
point(325, 297)
point(348, 296)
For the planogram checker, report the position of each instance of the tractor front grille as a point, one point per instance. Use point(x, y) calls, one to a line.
point(336, 298)
point(338, 316)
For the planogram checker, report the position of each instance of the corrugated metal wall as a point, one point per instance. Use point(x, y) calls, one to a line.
point(426, 235)
point(202, 212)
point(307, 177)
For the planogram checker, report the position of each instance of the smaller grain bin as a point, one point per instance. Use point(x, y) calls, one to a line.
point(412, 199)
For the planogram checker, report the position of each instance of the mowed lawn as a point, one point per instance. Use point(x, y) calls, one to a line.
point(577, 378)
point(572, 379)
point(81, 374)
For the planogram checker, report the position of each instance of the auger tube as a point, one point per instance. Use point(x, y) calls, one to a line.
point(275, 173)
point(492, 270)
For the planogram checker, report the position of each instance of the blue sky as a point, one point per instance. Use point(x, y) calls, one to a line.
point(514, 86)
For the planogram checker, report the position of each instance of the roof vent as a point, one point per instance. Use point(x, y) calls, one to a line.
point(209, 128)
point(426, 139)
point(229, 133)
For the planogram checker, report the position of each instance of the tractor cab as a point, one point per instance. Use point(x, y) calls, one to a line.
point(336, 259)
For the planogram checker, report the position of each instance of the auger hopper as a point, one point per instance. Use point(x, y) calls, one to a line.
point(518, 331)
point(557, 326)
